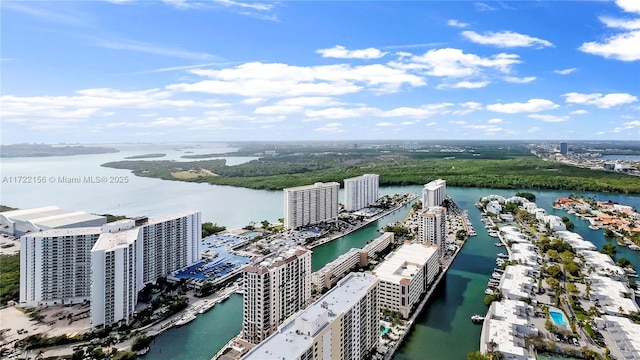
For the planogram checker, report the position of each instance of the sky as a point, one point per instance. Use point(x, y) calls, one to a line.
point(227, 70)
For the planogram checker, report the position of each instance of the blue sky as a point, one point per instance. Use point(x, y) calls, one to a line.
point(153, 71)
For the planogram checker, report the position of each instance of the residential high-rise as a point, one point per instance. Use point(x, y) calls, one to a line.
point(433, 227)
point(55, 266)
point(132, 253)
point(361, 191)
point(405, 275)
point(311, 204)
point(564, 148)
point(275, 288)
point(107, 265)
point(343, 324)
point(433, 193)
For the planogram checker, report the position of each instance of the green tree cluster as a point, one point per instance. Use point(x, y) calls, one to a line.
point(609, 249)
point(209, 228)
point(9, 277)
point(527, 195)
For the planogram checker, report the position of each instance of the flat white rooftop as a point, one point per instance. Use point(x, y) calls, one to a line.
point(50, 216)
point(625, 334)
point(318, 185)
point(66, 232)
point(405, 262)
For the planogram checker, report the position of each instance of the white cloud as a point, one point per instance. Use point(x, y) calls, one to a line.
point(579, 112)
point(517, 80)
point(465, 85)
point(417, 113)
point(341, 52)
point(629, 5)
point(565, 71)
point(456, 23)
point(549, 118)
point(449, 62)
point(533, 105)
point(432, 123)
point(309, 101)
point(599, 100)
point(384, 124)
point(340, 113)
point(600, 133)
point(421, 112)
point(278, 109)
point(533, 129)
point(282, 80)
point(495, 121)
point(253, 101)
point(485, 128)
point(467, 108)
point(480, 6)
point(620, 23)
point(252, 5)
point(155, 49)
point(622, 47)
point(506, 39)
point(632, 124)
point(333, 128)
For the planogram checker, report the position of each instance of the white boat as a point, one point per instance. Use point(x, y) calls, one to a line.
point(493, 234)
point(488, 292)
point(637, 292)
point(496, 275)
point(634, 247)
point(477, 318)
point(186, 318)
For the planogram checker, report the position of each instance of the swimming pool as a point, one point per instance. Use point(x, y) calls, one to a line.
point(558, 318)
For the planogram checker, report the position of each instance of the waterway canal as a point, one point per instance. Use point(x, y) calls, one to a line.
point(443, 331)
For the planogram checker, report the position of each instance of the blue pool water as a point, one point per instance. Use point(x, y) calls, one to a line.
point(558, 318)
point(384, 330)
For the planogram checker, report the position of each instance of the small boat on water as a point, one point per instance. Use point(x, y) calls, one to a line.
point(186, 318)
point(593, 227)
point(498, 244)
point(504, 256)
point(496, 276)
point(488, 292)
point(493, 234)
point(634, 247)
point(637, 292)
point(477, 318)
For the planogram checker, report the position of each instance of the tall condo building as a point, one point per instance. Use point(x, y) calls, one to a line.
point(311, 204)
point(106, 264)
point(132, 253)
point(564, 148)
point(55, 266)
point(343, 324)
point(361, 191)
point(433, 227)
point(433, 193)
point(405, 275)
point(275, 288)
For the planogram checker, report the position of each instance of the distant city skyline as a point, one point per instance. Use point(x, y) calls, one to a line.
point(227, 70)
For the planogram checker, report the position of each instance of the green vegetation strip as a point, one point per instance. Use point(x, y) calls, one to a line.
point(516, 172)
